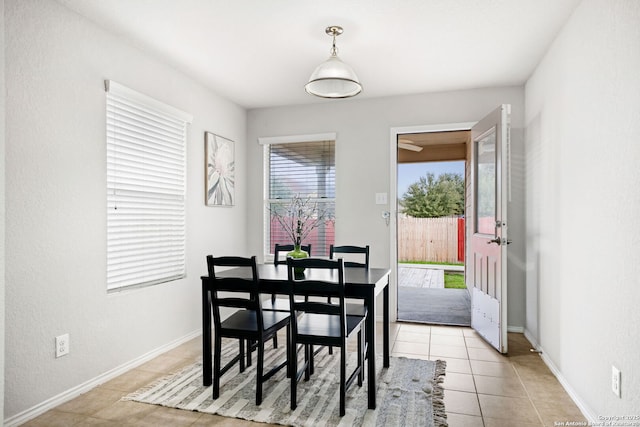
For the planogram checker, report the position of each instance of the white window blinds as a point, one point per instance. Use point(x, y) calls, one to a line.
point(146, 187)
point(306, 169)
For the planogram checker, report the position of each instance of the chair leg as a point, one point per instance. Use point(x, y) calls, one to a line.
point(275, 341)
point(289, 352)
point(343, 378)
point(249, 345)
point(217, 350)
point(308, 360)
point(259, 372)
point(360, 357)
point(293, 363)
point(241, 350)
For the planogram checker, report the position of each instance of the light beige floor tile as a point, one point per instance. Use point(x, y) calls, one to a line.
point(164, 364)
point(453, 340)
point(461, 366)
point(411, 348)
point(193, 348)
point(125, 411)
point(133, 379)
point(446, 330)
point(499, 422)
point(473, 342)
point(91, 421)
point(91, 402)
point(500, 386)
point(459, 382)
point(489, 355)
point(55, 418)
point(558, 411)
point(493, 369)
point(416, 337)
point(459, 420)
point(514, 409)
point(460, 402)
point(468, 332)
point(412, 327)
point(448, 351)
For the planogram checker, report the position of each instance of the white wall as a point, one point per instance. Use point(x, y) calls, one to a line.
point(583, 235)
point(56, 62)
point(362, 163)
point(2, 209)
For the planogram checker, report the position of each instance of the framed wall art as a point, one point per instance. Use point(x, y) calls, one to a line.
point(220, 170)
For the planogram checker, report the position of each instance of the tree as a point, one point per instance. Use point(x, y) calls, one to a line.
point(432, 198)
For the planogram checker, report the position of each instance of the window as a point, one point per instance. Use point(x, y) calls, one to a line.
point(306, 169)
point(146, 187)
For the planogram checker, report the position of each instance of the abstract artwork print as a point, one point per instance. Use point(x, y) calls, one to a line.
point(220, 170)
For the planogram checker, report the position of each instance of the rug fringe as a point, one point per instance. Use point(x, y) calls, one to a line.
point(161, 381)
point(439, 414)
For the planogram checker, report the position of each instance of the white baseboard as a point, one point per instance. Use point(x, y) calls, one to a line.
point(588, 413)
point(516, 329)
point(76, 391)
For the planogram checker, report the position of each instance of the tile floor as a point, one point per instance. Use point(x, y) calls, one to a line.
point(482, 388)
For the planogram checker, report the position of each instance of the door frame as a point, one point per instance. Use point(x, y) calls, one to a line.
point(393, 198)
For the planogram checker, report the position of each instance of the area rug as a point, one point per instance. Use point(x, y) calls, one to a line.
point(409, 393)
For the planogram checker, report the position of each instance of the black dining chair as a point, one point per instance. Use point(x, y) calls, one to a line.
point(248, 324)
point(281, 304)
point(317, 322)
point(362, 253)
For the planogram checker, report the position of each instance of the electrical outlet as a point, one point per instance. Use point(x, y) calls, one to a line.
point(615, 380)
point(62, 345)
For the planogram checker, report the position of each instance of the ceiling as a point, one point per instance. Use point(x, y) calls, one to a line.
point(260, 53)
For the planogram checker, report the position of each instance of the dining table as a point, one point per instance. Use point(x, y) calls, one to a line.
point(360, 283)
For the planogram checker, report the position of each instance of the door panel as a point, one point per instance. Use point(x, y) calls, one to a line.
point(488, 232)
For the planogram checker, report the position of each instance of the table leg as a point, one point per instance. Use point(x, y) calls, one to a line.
point(370, 301)
point(207, 374)
point(385, 325)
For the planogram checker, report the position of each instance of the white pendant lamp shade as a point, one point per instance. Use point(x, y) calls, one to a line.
point(333, 78)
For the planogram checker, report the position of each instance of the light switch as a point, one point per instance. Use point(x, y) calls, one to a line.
point(381, 198)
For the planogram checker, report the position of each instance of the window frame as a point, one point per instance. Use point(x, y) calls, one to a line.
point(266, 142)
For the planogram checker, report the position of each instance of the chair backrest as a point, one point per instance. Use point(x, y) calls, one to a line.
point(245, 284)
point(347, 249)
point(321, 278)
point(286, 248)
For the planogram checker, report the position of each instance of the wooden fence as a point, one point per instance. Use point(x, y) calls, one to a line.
point(431, 239)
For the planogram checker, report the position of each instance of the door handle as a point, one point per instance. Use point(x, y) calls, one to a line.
point(497, 241)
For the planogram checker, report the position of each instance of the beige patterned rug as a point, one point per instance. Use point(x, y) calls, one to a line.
point(409, 394)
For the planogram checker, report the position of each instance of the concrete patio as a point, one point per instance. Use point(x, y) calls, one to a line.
point(423, 298)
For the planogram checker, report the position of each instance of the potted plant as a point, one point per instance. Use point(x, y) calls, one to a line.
point(298, 218)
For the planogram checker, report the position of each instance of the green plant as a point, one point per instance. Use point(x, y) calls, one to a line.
point(299, 217)
point(454, 281)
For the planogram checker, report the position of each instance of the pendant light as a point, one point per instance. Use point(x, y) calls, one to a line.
point(333, 78)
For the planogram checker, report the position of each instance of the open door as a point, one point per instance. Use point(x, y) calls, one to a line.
point(487, 258)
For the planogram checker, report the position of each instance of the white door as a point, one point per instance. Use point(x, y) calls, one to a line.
point(487, 258)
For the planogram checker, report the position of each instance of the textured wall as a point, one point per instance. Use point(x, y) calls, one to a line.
point(2, 211)
point(582, 156)
point(56, 203)
point(363, 164)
